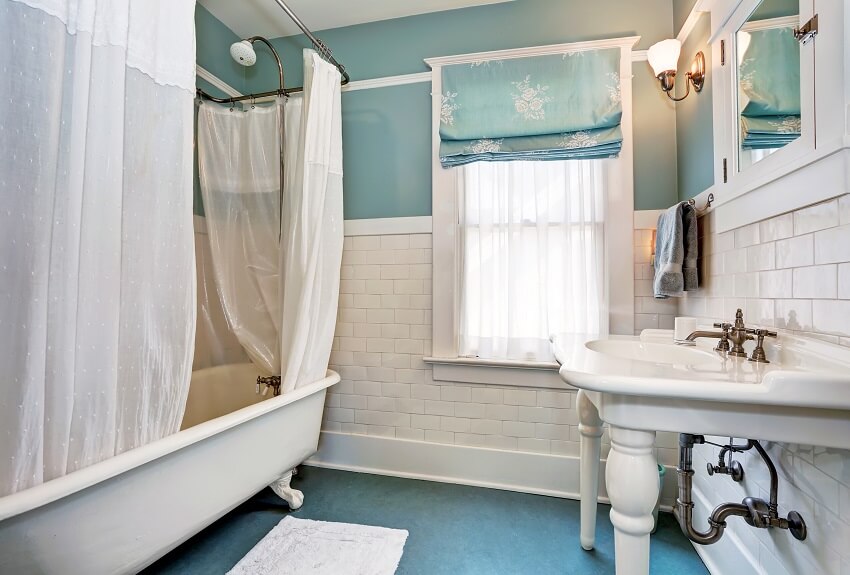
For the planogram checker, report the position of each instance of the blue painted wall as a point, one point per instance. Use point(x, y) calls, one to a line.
point(694, 119)
point(387, 131)
point(212, 46)
point(681, 10)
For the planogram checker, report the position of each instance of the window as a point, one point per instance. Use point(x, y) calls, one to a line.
point(524, 249)
point(532, 256)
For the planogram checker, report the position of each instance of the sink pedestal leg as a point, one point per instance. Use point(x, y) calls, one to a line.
point(590, 427)
point(631, 477)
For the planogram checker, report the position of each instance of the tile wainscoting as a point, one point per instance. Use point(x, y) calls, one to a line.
point(791, 273)
point(650, 313)
point(387, 391)
point(382, 334)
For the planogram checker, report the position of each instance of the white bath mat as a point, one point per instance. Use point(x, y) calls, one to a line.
point(302, 546)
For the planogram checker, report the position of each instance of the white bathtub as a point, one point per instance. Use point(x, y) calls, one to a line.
point(120, 515)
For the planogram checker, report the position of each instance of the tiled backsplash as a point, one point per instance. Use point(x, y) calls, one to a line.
point(791, 273)
point(650, 313)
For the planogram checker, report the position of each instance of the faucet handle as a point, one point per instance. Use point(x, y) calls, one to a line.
point(758, 353)
point(723, 344)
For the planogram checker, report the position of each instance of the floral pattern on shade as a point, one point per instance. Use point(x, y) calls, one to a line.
point(787, 125)
point(614, 92)
point(553, 106)
point(484, 145)
point(529, 100)
point(448, 107)
point(582, 139)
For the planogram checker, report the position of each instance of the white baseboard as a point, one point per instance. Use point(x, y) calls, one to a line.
point(729, 555)
point(523, 472)
point(540, 474)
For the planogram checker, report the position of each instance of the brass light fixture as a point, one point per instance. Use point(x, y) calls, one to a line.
point(664, 57)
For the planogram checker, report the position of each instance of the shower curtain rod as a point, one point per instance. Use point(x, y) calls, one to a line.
point(320, 47)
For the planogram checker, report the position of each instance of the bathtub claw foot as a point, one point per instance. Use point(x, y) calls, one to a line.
point(284, 490)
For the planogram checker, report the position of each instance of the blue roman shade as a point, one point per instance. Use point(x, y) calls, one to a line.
point(553, 107)
point(769, 79)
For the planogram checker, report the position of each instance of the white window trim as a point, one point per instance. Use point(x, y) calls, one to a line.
point(619, 272)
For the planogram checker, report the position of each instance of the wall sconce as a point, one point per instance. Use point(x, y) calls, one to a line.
point(664, 57)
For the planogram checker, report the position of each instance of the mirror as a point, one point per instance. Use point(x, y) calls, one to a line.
point(768, 79)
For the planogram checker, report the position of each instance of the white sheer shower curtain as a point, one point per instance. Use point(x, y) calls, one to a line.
point(96, 251)
point(280, 298)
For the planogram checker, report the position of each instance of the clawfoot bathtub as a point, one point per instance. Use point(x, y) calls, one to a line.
point(122, 514)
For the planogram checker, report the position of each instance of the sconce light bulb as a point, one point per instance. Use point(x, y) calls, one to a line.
point(664, 56)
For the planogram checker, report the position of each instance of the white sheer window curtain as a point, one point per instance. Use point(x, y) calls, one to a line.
point(533, 256)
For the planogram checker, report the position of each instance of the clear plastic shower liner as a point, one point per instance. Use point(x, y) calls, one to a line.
point(239, 169)
point(284, 320)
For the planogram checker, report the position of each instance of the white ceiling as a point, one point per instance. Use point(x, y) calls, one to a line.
point(265, 18)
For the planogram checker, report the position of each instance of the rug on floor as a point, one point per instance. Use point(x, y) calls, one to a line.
point(297, 546)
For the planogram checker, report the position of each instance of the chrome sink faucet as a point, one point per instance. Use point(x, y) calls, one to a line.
point(738, 334)
point(733, 336)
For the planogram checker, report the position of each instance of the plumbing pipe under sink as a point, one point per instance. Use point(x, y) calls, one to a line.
point(756, 512)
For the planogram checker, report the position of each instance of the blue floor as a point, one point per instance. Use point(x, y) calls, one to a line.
point(454, 529)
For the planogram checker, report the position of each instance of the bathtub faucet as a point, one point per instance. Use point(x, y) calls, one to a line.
point(272, 381)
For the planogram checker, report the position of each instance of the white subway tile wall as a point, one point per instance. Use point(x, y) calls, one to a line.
point(650, 313)
point(792, 273)
point(384, 331)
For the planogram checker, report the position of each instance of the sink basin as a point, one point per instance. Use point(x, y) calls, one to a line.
point(653, 352)
point(648, 382)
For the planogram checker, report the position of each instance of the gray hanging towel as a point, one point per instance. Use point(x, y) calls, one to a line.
point(676, 252)
point(689, 269)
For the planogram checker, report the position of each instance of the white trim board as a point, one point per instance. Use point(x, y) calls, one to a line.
point(519, 471)
point(647, 219)
point(216, 81)
point(372, 227)
point(627, 41)
point(387, 81)
point(388, 226)
point(700, 7)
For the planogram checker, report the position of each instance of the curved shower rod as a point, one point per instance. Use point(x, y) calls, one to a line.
point(320, 47)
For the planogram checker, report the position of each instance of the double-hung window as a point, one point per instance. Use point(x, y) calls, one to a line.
point(532, 256)
point(532, 232)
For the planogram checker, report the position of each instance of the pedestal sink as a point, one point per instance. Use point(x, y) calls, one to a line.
point(640, 385)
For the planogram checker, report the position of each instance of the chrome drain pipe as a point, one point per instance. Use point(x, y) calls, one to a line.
point(684, 509)
point(756, 512)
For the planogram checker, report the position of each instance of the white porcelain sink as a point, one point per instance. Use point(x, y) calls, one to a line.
point(638, 350)
point(640, 385)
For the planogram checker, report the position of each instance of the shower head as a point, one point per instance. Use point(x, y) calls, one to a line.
point(243, 53)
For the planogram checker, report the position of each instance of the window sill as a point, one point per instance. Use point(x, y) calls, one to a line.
point(543, 375)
